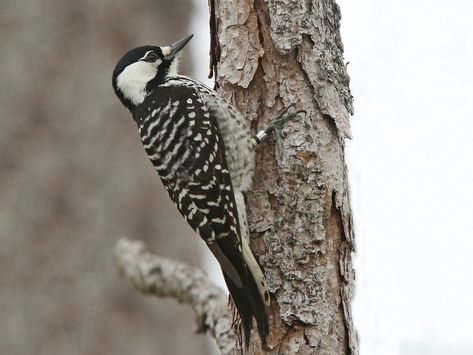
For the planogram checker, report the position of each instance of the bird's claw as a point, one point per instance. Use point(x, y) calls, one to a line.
point(276, 126)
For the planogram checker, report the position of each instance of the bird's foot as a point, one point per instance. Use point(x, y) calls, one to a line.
point(276, 126)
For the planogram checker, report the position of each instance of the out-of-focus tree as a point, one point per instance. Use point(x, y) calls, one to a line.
point(73, 179)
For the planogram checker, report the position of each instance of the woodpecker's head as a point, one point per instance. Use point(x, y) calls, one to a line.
point(143, 68)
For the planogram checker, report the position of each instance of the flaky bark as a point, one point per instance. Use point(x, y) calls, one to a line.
point(268, 55)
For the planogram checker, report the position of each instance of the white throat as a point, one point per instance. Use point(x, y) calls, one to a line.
point(174, 67)
point(133, 79)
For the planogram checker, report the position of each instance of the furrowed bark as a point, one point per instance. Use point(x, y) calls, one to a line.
point(269, 55)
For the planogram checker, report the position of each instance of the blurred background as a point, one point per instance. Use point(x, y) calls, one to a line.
point(411, 171)
point(74, 179)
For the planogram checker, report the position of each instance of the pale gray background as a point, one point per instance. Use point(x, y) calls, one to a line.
point(412, 173)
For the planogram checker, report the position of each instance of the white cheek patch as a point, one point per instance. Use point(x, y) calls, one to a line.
point(133, 79)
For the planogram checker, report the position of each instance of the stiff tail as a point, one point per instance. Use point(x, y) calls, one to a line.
point(245, 282)
point(248, 303)
point(253, 299)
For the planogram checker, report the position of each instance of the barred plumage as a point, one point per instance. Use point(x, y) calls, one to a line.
point(203, 151)
point(185, 146)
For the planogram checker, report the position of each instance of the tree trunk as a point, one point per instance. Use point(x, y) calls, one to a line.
point(267, 55)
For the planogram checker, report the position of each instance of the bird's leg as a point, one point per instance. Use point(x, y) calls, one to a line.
point(277, 124)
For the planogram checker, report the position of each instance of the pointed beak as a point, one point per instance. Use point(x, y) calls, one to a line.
point(176, 47)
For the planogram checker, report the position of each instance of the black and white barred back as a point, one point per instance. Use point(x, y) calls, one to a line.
point(202, 149)
point(186, 148)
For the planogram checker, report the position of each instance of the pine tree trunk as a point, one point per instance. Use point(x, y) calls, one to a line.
point(266, 56)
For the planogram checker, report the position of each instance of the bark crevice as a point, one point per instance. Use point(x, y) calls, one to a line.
point(299, 210)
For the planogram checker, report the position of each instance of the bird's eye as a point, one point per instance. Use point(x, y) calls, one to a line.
point(151, 57)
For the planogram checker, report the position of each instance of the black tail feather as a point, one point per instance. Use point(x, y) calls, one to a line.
point(249, 304)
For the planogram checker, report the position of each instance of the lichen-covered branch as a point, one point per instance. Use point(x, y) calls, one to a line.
point(162, 277)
